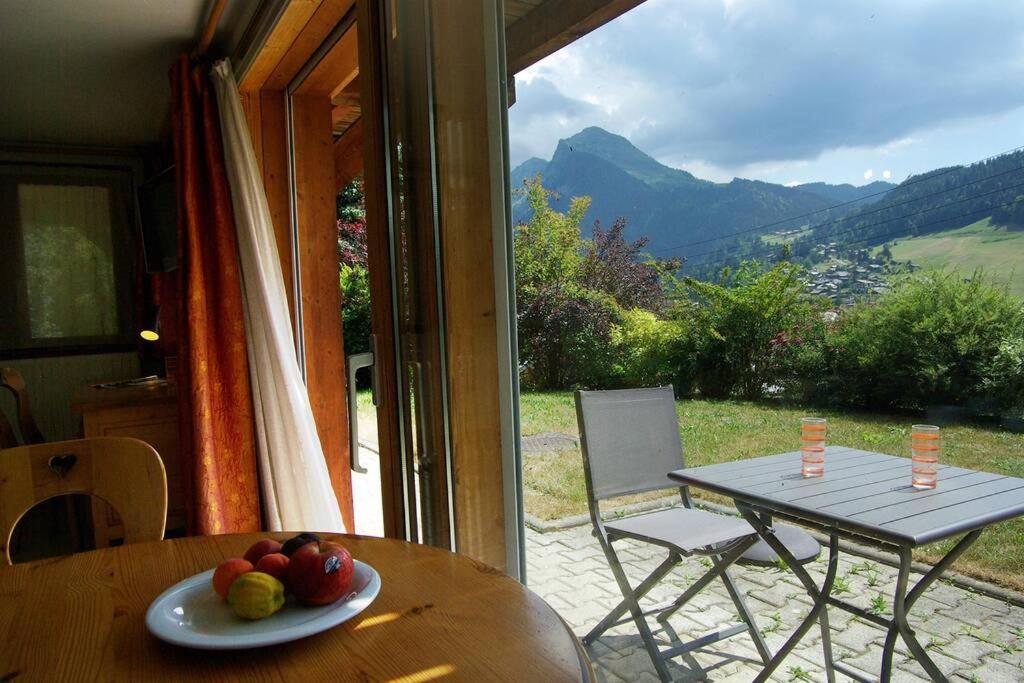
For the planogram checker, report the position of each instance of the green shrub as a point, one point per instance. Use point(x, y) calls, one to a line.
point(742, 319)
point(932, 340)
point(355, 308)
point(649, 351)
point(1004, 375)
point(565, 339)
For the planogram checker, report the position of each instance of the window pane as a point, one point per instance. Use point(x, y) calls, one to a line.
point(69, 260)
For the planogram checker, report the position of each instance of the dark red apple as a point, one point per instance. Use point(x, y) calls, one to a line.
point(261, 548)
point(320, 573)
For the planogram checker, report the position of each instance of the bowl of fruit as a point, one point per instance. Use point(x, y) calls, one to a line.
point(275, 593)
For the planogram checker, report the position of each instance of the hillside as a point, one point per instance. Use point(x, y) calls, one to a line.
point(938, 201)
point(669, 205)
point(996, 249)
point(847, 192)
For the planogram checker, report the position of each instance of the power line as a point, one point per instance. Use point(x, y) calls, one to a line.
point(726, 249)
point(854, 201)
point(898, 232)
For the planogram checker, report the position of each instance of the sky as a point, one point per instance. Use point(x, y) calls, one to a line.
point(788, 91)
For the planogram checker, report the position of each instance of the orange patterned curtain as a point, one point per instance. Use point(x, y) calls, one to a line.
point(214, 400)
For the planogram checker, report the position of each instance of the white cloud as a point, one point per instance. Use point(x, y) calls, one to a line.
point(733, 83)
point(887, 174)
point(869, 174)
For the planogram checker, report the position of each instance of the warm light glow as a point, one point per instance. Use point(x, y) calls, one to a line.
point(434, 672)
point(149, 335)
point(377, 620)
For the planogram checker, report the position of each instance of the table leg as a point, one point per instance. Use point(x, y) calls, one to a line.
point(904, 601)
point(819, 597)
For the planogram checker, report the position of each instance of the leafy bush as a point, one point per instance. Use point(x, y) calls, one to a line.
point(565, 338)
point(352, 268)
point(1004, 376)
point(932, 340)
point(649, 351)
point(743, 317)
point(355, 308)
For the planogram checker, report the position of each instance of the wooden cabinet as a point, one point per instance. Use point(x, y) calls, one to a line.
point(149, 414)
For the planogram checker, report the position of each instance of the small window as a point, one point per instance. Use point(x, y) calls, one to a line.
point(66, 260)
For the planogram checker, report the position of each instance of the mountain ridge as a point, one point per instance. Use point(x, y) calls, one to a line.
point(668, 205)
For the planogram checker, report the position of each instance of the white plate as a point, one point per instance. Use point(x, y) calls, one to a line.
point(191, 614)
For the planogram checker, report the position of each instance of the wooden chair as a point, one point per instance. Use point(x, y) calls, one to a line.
point(126, 473)
point(12, 380)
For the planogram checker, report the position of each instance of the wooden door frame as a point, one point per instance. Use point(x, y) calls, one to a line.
point(481, 438)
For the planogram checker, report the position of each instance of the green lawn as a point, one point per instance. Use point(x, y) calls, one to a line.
point(717, 431)
point(996, 250)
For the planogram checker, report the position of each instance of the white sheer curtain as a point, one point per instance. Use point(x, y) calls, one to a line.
point(296, 486)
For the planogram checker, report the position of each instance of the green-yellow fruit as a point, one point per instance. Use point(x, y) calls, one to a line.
point(256, 595)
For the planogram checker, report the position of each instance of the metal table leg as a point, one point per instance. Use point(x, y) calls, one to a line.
point(903, 602)
point(819, 597)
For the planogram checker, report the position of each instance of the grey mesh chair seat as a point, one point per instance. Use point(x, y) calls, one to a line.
point(681, 528)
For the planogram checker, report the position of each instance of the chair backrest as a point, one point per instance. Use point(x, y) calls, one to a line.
point(126, 473)
point(630, 440)
point(7, 436)
point(12, 380)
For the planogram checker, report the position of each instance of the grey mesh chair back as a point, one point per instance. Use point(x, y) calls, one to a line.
point(630, 440)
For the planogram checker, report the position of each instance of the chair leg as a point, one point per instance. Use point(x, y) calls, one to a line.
point(708, 577)
point(629, 598)
point(645, 586)
point(745, 614)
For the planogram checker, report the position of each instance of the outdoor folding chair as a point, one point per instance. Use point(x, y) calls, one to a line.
point(630, 442)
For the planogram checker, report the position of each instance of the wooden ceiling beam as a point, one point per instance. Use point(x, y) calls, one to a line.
point(554, 24)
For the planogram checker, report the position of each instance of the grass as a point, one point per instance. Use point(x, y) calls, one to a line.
point(998, 251)
point(719, 431)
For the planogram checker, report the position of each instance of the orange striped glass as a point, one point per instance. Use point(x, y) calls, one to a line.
point(812, 446)
point(925, 447)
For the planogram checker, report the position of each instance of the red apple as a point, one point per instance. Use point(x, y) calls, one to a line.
point(276, 565)
point(261, 548)
point(320, 573)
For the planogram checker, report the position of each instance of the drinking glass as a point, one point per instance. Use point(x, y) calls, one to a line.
point(812, 446)
point(925, 447)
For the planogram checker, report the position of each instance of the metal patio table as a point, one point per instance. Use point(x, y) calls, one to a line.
point(867, 498)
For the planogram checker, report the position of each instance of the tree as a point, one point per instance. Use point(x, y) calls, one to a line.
point(616, 267)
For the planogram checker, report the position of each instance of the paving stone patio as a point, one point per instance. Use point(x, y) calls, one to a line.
point(972, 637)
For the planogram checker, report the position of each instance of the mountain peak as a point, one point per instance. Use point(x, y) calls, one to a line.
point(624, 154)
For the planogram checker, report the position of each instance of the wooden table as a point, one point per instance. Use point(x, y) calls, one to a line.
point(438, 616)
point(865, 497)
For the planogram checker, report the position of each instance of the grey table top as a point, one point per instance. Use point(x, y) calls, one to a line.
point(866, 493)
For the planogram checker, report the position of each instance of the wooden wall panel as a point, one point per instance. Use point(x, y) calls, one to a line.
point(466, 211)
point(53, 381)
point(348, 155)
point(321, 295)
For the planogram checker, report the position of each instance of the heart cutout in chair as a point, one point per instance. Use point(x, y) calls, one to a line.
point(62, 464)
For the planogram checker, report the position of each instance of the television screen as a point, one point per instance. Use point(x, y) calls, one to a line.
point(159, 217)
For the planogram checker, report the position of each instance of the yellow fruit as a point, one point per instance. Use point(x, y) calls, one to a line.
point(255, 595)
